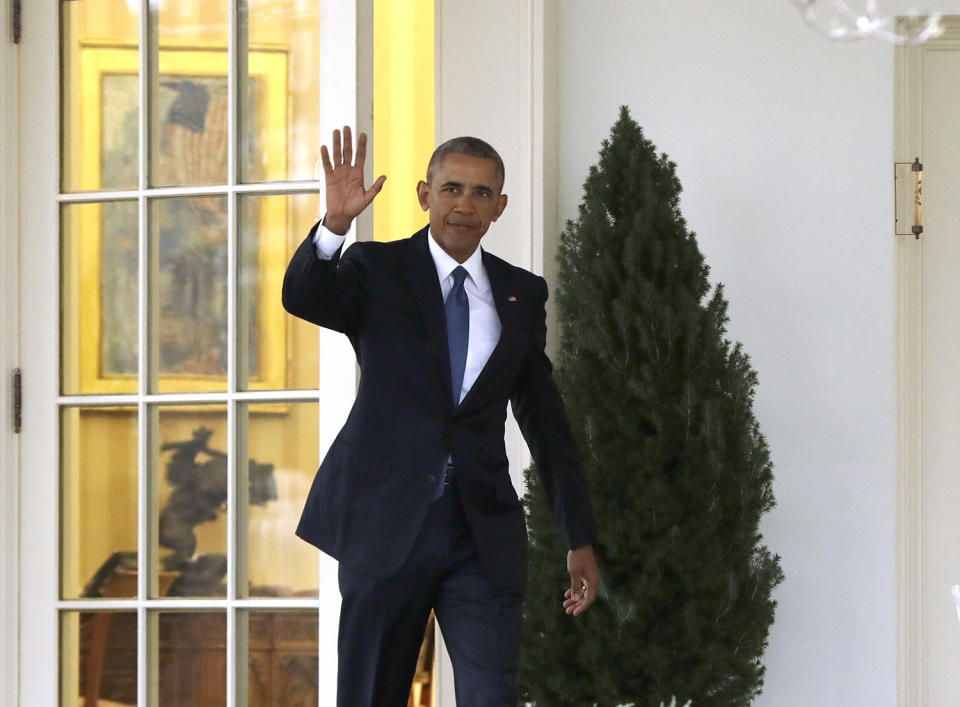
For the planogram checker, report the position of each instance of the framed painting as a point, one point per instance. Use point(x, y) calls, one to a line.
point(189, 233)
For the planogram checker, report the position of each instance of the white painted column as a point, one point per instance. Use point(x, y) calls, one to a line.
point(496, 81)
point(346, 75)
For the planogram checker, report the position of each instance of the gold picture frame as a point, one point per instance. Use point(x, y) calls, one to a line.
point(93, 370)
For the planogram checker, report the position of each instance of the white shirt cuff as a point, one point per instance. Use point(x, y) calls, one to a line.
point(327, 242)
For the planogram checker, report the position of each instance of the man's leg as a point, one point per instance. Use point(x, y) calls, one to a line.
point(382, 621)
point(481, 628)
point(381, 629)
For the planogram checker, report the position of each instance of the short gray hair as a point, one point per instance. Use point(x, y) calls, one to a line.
point(469, 146)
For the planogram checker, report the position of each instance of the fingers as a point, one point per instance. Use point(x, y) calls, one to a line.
point(375, 188)
point(361, 150)
point(343, 150)
point(580, 596)
point(325, 157)
point(337, 153)
point(347, 146)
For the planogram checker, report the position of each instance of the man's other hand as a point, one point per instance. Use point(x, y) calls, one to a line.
point(584, 580)
point(346, 197)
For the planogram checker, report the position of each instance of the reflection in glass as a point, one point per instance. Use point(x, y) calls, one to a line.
point(188, 125)
point(100, 106)
point(98, 294)
point(190, 309)
point(192, 659)
point(99, 502)
point(98, 658)
point(190, 474)
point(282, 34)
point(283, 450)
point(282, 657)
point(276, 350)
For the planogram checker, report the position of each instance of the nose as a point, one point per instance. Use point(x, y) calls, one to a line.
point(464, 203)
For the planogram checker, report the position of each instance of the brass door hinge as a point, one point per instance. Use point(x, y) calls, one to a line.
point(17, 400)
point(17, 21)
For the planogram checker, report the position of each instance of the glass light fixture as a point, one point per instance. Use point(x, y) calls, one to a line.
point(836, 20)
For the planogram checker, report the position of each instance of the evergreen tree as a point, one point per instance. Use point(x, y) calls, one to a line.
point(661, 403)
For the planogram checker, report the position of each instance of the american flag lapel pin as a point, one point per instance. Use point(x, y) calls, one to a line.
point(511, 298)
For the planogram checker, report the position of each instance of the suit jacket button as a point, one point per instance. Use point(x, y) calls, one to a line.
point(431, 479)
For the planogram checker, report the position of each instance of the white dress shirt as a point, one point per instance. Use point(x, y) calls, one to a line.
point(484, 321)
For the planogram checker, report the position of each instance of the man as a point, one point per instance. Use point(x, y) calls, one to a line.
point(414, 496)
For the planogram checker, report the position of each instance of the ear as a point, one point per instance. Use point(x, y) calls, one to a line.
point(423, 191)
point(501, 205)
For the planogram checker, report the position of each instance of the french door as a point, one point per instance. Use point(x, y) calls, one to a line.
point(174, 414)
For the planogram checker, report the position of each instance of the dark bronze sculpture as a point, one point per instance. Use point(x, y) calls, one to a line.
point(199, 494)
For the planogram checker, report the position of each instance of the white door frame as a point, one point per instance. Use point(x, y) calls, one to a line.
point(9, 359)
point(39, 245)
point(910, 505)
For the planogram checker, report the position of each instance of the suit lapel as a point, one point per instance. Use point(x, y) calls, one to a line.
point(420, 274)
point(500, 284)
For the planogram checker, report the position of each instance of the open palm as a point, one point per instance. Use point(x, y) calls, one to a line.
point(346, 195)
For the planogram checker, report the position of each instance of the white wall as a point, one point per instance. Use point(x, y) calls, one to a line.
point(784, 145)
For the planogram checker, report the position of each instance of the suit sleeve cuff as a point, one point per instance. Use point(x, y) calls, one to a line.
point(327, 242)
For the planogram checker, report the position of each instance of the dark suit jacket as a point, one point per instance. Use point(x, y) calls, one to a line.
point(371, 493)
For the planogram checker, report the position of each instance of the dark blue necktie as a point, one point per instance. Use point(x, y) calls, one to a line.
point(458, 330)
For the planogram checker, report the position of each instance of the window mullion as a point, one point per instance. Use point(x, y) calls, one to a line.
point(255, 189)
point(144, 497)
point(235, 50)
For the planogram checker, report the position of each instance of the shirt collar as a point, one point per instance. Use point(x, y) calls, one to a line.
point(445, 264)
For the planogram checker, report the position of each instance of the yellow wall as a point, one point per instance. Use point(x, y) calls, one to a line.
point(403, 111)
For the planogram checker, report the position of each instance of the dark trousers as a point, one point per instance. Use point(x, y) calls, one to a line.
point(382, 621)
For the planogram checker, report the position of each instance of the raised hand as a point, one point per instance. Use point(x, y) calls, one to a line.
point(346, 196)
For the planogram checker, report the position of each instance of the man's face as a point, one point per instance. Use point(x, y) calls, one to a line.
point(463, 197)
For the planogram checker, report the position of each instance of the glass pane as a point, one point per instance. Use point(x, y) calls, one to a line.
point(101, 99)
point(191, 493)
point(283, 451)
point(98, 658)
point(99, 497)
point(98, 295)
point(190, 304)
point(192, 659)
point(277, 351)
point(188, 125)
point(279, 107)
point(282, 658)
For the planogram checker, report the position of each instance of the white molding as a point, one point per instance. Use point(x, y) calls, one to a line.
point(910, 491)
point(909, 380)
point(9, 359)
point(39, 440)
point(546, 165)
point(346, 32)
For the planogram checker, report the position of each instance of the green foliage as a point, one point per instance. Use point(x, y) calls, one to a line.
point(662, 405)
